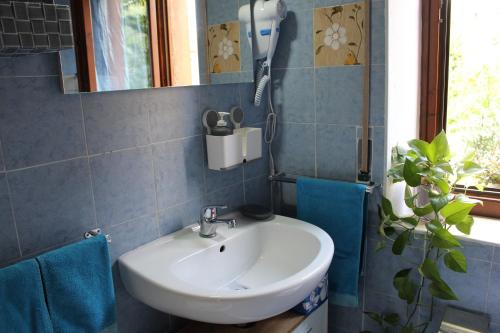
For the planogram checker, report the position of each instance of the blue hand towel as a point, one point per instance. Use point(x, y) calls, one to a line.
point(22, 302)
point(79, 286)
point(339, 209)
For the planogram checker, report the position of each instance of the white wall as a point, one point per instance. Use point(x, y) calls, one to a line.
point(403, 98)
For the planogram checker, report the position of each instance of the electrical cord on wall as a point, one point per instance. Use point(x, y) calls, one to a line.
point(263, 80)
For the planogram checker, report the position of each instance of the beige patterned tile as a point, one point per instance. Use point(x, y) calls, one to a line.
point(224, 47)
point(338, 35)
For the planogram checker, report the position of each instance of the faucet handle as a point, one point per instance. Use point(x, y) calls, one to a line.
point(210, 211)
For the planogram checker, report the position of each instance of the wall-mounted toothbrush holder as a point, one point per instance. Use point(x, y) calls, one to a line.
point(225, 152)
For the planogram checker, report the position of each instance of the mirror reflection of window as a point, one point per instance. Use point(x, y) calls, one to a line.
point(183, 42)
point(121, 44)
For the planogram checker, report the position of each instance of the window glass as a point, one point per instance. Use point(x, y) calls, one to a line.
point(121, 44)
point(473, 113)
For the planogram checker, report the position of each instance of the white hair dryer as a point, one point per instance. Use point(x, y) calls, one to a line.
point(267, 15)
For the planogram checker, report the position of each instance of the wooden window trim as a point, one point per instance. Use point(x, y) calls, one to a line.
point(84, 52)
point(434, 88)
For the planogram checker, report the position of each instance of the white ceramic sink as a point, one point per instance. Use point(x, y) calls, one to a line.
point(249, 273)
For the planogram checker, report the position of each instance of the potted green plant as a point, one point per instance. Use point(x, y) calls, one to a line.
point(431, 180)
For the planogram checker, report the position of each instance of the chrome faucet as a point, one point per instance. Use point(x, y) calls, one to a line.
point(208, 221)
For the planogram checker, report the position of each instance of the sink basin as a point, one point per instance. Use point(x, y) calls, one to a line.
point(252, 272)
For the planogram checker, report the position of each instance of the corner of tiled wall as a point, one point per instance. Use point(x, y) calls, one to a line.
point(131, 163)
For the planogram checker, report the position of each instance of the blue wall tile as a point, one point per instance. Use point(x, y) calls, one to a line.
point(219, 97)
point(377, 47)
point(339, 95)
point(494, 329)
point(496, 255)
point(295, 5)
point(382, 303)
point(377, 95)
point(221, 11)
point(477, 250)
point(231, 196)
point(32, 65)
point(8, 235)
point(134, 316)
point(123, 185)
point(52, 204)
point(174, 113)
point(180, 216)
point(295, 44)
point(336, 152)
point(378, 155)
point(295, 149)
point(2, 164)
point(293, 95)
point(493, 306)
point(257, 191)
point(115, 120)
point(253, 114)
point(37, 124)
point(178, 171)
point(381, 266)
point(219, 179)
point(478, 274)
point(129, 235)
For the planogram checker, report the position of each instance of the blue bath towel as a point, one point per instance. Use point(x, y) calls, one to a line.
point(22, 302)
point(339, 209)
point(79, 286)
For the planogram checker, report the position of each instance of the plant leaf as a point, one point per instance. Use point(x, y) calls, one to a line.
point(391, 318)
point(429, 270)
point(400, 242)
point(410, 220)
point(410, 173)
point(405, 287)
point(375, 316)
point(422, 211)
point(409, 197)
point(380, 245)
point(444, 239)
point(439, 202)
point(465, 225)
point(406, 329)
point(439, 148)
point(319, 31)
point(318, 50)
point(420, 147)
point(442, 290)
point(456, 211)
point(456, 261)
point(443, 184)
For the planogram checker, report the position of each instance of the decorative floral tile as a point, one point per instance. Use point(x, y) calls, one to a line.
point(224, 47)
point(339, 38)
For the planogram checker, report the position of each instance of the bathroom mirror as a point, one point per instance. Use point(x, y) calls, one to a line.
point(138, 44)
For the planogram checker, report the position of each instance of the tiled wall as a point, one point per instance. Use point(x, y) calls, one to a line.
point(131, 163)
point(477, 290)
point(320, 112)
point(320, 117)
point(226, 11)
point(320, 108)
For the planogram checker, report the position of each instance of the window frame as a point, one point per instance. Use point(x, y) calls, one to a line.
point(435, 44)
